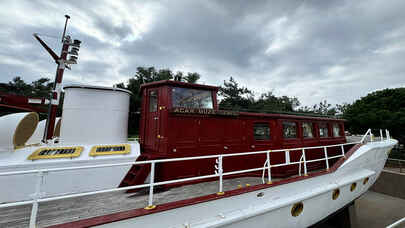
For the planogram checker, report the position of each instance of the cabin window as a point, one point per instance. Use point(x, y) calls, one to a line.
point(307, 130)
point(153, 101)
point(336, 130)
point(289, 130)
point(323, 130)
point(261, 131)
point(191, 98)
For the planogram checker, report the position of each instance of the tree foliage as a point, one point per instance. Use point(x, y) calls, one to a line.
point(239, 98)
point(38, 88)
point(234, 96)
point(383, 109)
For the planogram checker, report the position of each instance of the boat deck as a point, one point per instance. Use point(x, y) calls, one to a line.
point(72, 209)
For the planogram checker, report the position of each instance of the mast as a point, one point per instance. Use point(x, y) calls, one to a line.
point(62, 63)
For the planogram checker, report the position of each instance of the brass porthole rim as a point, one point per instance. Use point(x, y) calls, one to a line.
point(297, 209)
point(353, 187)
point(366, 180)
point(335, 194)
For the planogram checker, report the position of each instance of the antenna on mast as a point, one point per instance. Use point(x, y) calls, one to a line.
point(64, 30)
point(62, 63)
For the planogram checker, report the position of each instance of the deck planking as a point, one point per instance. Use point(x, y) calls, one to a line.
point(72, 209)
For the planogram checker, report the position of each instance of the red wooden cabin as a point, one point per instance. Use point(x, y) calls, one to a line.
point(183, 120)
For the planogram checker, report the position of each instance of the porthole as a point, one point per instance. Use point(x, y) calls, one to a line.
point(353, 187)
point(365, 181)
point(335, 194)
point(297, 209)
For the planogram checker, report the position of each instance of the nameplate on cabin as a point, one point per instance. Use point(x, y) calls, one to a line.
point(204, 111)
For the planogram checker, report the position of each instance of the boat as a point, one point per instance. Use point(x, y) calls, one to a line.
point(194, 165)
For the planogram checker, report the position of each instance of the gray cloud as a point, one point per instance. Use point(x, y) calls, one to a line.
point(334, 50)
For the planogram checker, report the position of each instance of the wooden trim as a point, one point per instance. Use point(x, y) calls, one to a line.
point(104, 219)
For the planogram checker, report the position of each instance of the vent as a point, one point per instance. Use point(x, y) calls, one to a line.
point(56, 152)
point(110, 150)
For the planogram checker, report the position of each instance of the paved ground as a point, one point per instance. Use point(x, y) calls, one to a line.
point(376, 210)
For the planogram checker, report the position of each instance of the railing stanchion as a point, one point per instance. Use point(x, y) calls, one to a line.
point(220, 172)
point(35, 197)
point(343, 150)
point(305, 162)
point(325, 150)
point(151, 185)
point(381, 135)
point(268, 168)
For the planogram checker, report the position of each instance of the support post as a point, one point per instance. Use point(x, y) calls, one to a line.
point(381, 135)
point(343, 150)
point(35, 197)
point(305, 162)
point(268, 168)
point(151, 185)
point(220, 171)
point(325, 150)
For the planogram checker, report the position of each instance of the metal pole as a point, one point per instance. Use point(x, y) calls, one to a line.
point(381, 135)
point(57, 87)
point(220, 171)
point(325, 150)
point(36, 196)
point(152, 181)
point(305, 162)
point(268, 168)
point(343, 150)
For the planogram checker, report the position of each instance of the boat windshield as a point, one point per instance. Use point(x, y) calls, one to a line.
point(191, 98)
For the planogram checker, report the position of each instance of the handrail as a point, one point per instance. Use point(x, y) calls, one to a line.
point(395, 224)
point(37, 196)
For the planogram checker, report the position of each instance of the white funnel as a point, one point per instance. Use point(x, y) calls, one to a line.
point(16, 129)
point(94, 115)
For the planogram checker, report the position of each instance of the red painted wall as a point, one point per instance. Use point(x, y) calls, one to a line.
point(167, 134)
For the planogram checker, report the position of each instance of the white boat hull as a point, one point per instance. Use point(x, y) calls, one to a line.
point(21, 187)
point(273, 208)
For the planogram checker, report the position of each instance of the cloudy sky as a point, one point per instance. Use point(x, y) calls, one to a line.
point(314, 50)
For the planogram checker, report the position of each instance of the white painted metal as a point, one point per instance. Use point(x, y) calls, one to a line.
point(367, 161)
point(273, 208)
point(397, 223)
point(10, 127)
point(88, 173)
point(151, 185)
point(94, 115)
point(325, 151)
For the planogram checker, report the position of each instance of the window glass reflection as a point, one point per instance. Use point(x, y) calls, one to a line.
point(191, 98)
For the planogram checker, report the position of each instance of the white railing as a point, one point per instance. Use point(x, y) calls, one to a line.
point(38, 196)
point(397, 223)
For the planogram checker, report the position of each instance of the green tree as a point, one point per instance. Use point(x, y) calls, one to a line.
point(323, 108)
point(384, 109)
point(234, 96)
point(268, 102)
point(39, 88)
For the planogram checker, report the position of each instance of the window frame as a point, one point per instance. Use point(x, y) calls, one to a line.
point(327, 128)
point(313, 130)
point(263, 124)
point(339, 132)
point(173, 105)
point(150, 99)
point(297, 136)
